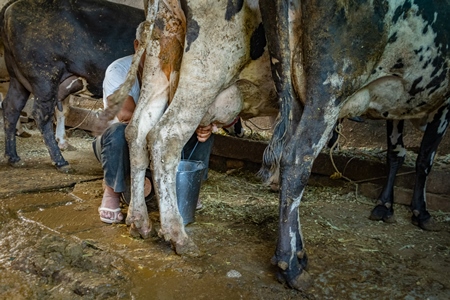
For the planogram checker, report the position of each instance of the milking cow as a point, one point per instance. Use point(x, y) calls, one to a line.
point(382, 59)
point(49, 47)
point(330, 59)
point(203, 83)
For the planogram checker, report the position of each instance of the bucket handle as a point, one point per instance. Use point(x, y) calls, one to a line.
point(192, 152)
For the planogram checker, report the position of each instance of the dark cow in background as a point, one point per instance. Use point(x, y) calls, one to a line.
point(382, 59)
point(49, 46)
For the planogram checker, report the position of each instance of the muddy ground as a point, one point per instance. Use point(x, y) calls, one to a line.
point(53, 245)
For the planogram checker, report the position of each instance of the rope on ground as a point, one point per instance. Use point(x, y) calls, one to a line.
point(338, 175)
point(265, 129)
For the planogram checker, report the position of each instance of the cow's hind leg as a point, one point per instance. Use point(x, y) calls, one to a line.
point(384, 210)
point(137, 218)
point(44, 108)
point(12, 105)
point(290, 256)
point(70, 85)
point(136, 134)
point(433, 135)
point(60, 131)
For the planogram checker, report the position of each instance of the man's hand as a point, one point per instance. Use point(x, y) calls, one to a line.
point(126, 111)
point(204, 132)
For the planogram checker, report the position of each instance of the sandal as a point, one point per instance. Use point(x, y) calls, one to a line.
point(114, 220)
point(199, 204)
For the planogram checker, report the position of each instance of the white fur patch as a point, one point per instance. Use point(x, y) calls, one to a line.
point(335, 80)
point(443, 122)
point(253, 4)
point(385, 94)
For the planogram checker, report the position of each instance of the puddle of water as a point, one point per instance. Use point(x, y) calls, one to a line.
point(154, 271)
point(351, 257)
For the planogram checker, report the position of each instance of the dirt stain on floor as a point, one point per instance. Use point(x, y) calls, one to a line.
point(55, 247)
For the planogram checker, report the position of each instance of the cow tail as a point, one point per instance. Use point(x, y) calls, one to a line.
point(119, 96)
point(277, 35)
point(271, 157)
point(2, 18)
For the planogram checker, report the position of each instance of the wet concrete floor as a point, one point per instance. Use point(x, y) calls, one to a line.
point(55, 247)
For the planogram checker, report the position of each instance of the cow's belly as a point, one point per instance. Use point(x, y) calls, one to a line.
point(410, 79)
point(389, 98)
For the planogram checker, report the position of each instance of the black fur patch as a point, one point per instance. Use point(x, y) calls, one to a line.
point(192, 30)
point(233, 8)
point(436, 15)
point(437, 81)
point(414, 90)
point(398, 65)
point(159, 24)
point(392, 38)
point(258, 42)
point(400, 11)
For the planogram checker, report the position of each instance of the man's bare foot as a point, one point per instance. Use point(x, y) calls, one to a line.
point(147, 187)
point(110, 208)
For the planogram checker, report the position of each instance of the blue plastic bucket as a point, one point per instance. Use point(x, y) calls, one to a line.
point(189, 178)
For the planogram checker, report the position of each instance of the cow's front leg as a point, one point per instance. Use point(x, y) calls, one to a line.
point(384, 209)
point(70, 85)
point(12, 105)
point(433, 135)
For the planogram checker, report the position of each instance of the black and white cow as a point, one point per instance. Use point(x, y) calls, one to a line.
point(207, 59)
point(49, 46)
point(332, 59)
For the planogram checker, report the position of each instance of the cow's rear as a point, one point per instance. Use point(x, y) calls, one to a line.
point(383, 59)
point(49, 42)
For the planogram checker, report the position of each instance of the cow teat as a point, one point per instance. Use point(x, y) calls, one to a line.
point(225, 108)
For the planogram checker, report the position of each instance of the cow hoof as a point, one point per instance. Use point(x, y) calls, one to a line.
point(427, 224)
point(66, 169)
point(16, 164)
point(144, 232)
point(136, 233)
point(188, 248)
point(382, 213)
point(274, 187)
point(140, 224)
point(302, 282)
point(66, 147)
